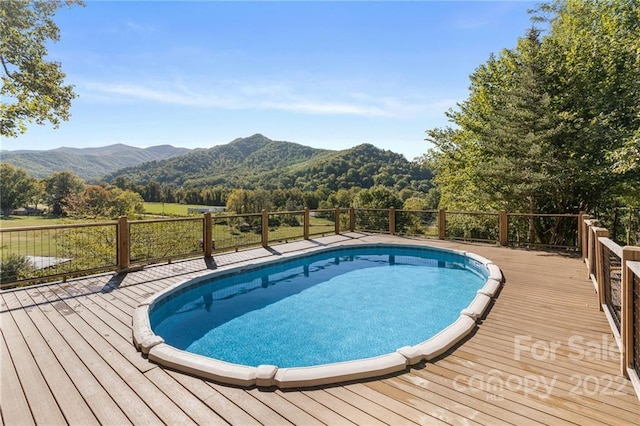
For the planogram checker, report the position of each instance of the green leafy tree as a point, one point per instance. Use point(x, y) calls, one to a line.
point(93, 202)
point(15, 187)
point(33, 87)
point(125, 203)
point(243, 201)
point(416, 203)
point(60, 189)
point(593, 51)
point(36, 194)
point(517, 160)
point(550, 126)
point(376, 201)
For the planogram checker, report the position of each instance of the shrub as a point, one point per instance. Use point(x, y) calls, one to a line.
point(15, 267)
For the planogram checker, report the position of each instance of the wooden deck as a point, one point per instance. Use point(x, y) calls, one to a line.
point(544, 354)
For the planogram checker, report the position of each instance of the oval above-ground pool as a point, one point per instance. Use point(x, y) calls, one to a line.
point(325, 316)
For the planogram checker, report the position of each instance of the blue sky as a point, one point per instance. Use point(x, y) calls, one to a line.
point(325, 74)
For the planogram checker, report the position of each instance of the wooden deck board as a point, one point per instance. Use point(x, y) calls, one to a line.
point(225, 408)
point(14, 407)
point(42, 403)
point(188, 402)
point(379, 411)
point(284, 408)
point(69, 399)
point(315, 409)
point(123, 396)
point(67, 357)
point(252, 406)
point(96, 397)
point(346, 410)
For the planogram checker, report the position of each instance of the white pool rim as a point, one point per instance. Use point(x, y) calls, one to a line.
point(216, 370)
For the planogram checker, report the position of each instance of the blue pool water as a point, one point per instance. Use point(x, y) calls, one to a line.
point(329, 307)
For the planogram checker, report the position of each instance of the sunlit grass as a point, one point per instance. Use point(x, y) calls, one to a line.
point(170, 209)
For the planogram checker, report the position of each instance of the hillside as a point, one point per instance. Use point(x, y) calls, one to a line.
point(90, 164)
point(259, 162)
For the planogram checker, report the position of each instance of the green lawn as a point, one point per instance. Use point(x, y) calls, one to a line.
point(169, 209)
point(21, 221)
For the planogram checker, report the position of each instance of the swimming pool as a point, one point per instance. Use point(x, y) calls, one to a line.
point(336, 314)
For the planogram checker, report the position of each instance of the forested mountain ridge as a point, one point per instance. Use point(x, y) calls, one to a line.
point(90, 164)
point(258, 162)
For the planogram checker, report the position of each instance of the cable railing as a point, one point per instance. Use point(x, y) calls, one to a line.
point(542, 230)
point(57, 251)
point(634, 270)
point(472, 226)
point(611, 277)
point(615, 272)
point(37, 254)
point(232, 232)
point(324, 222)
point(372, 220)
point(163, 239)
point(417, 223)
point(287, 226)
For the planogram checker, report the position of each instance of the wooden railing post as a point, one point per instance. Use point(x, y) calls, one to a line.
point(306, 223)
point(442, 223)
point(337, 220)
point(124, 244)
point(591, 242)
point(352, 219)
point(265, 229)
point(207, 235)
point(581, 216)
point(599, 259)
point(585, 237)
point(629, 253)
point(503, 228)
point(392, 221)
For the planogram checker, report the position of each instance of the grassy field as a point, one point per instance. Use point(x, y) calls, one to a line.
point(169, 209)
point(22, 221)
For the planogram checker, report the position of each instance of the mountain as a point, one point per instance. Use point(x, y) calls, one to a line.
point(259, 162)
point(90, 164)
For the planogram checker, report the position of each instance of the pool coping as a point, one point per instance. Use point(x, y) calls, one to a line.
point(157, 351)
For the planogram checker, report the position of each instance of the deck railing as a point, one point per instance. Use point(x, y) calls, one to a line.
point(57, 251)
point(37, 254)
point(610, 277)
point(615, 272)
point(472, 226)
point(157, 240)
point(634, 271)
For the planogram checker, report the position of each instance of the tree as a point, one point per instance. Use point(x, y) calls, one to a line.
point(94, 201)
point(35, 84)
point(125, 203)
point(243, 201)
point(517, 161)
point(379, 199)
point(15, 187)
point(550, 126)
point(59, 187)
point(593, 48)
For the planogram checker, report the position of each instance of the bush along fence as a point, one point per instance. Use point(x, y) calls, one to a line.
point(615, 273)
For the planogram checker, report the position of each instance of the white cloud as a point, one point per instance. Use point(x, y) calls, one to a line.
point(268, 96)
